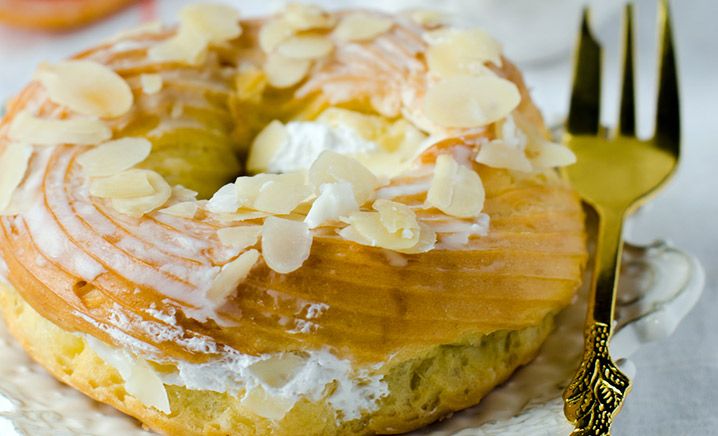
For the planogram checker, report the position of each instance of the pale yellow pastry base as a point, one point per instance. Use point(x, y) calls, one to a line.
point(447, 378)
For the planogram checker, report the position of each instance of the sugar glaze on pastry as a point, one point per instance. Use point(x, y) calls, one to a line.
point(398, 274)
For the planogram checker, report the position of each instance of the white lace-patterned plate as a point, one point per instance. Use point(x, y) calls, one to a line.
point(660, 284)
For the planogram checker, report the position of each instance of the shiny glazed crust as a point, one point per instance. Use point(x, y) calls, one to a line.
point(442, 327)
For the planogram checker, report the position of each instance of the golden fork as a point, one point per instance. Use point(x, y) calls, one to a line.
point(615, 173)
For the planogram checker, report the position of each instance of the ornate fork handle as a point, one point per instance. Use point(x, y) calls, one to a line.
point(595, 395)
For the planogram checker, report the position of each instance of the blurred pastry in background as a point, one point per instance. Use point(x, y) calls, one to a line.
point(57, 14)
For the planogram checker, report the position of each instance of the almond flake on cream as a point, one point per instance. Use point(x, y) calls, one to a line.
point(362, 26)
point(470, 101)
point(462, 52)
point(138, 206)
point(284, 72)
point(335, 200)
point(127, 184)
point(231, 275)
point(151, 83)
point(86, 87)
point(239, 237)
point(306, 47)
point(265, 146)
point(455, 189)
point(285, 244)
point(28, 129)
point(331, 167)
point(302, 16)
point(115, 156)
point(14, 160)
point(185, 209)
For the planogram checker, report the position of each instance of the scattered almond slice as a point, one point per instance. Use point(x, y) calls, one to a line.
point(305, 47)
point(497, 154)
point(240, 237)
point(551, 155)
point(373, 232)
point(281, 196)
point(332, 167)
point(86, 87)
point(151, 83)
point(114, 156)
point(302, 16)
point(461, 52)
point(427, 17)
point(335, 200)
point(361, 26)
point(266, 405)
point(246, 188)
point(469, 101)
point(201, 24)
point(138, 206)
point(455, 189)
point(127, 184)
point(285, 244)
point(397, 217)
point(284, 72)
point(265, 146)
point(144, 384)
point(29, 129)
point(273, 33)
point(14, 160)
point(224, 200)
point(185, 209)
point(180, 193)
point(241, 215)
point(231, 275)
point(427, 241)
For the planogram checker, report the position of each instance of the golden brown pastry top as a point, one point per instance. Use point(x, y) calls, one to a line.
point(119, 251)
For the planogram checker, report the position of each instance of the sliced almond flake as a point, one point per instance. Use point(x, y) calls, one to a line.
point(86, 87)
point(246, 188)
point(145, 384)
point(282, 193)
point(180, 193)
point(428, 18)
point(373, 232)
point(29, 129)
point(332, 167)
point(269, 406)
point(151, 83)
point(284, 72)
point(461, 52)
point(114, 156)
point(361, 26)
point(335, 200)
point(136, 207)
point(265, 146)
point(273, 33)
point(455, 189)
point(14, 160)
point(185, 209)
point(240, 237)
point(497, 154)
point(397, 217)
point(285, 244)
point(185, 46)
point(427, 241)
point(224, 200)
point(241, 215)
point(127, 184)
point(306, 47)
point(213, 21)
point(551, 155)
point(302, 16)
point(231, 275)
point(468, 101)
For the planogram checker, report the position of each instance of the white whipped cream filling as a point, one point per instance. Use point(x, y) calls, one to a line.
point(269, 384)
point(306, 140)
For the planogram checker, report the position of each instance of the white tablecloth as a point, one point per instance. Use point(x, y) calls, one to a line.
point(675, 387)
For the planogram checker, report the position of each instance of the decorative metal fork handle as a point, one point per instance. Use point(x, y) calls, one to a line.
point(596, 393)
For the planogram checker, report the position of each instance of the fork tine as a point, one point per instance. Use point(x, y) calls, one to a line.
point(668, 120)
point(585, 110)
point(627, 117)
